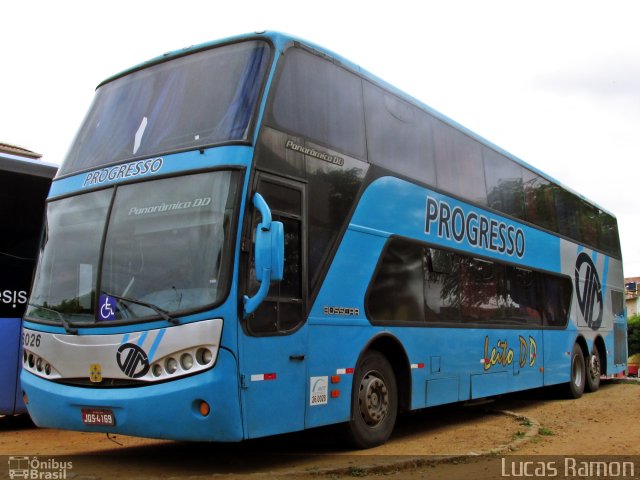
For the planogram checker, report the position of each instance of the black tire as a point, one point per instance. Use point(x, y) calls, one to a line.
point(374, 402)
point(575, 387)
point(594, 370)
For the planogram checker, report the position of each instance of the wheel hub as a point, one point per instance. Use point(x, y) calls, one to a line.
point(594, 367)
point(374, 399)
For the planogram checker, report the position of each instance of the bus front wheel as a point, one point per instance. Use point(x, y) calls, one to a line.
point(374, 401)
point(576, 385)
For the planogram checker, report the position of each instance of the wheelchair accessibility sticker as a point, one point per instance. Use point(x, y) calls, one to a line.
point(106, 308)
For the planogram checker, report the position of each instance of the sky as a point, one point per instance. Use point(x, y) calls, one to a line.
point(555, 83)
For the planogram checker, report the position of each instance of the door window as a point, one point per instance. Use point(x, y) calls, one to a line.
point(283, 309)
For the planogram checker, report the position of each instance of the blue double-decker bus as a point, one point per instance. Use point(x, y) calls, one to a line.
point(25, 182)
point(256, 236)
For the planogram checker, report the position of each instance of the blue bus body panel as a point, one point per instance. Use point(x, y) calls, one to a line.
point(10, 395)
point(446, 364)
point(165, 410)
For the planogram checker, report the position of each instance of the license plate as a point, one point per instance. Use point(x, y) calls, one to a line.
point(98, 416)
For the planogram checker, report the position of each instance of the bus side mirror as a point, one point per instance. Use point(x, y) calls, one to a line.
point(269, 254)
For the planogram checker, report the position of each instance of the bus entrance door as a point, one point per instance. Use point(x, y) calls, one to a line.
point(274, 339)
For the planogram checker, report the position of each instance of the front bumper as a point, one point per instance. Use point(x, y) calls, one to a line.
point(168, 410)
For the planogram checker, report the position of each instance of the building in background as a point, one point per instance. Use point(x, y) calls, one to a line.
point(632, 298)
point(8, 149)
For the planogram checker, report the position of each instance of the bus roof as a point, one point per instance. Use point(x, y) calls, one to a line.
point(282, 40)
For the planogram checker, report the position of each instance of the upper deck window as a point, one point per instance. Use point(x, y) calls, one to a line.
point(321, 101)
point(200, 99)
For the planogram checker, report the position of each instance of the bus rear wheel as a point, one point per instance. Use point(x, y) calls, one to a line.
point(575, 387)
point(374, 402)
point(594, 370)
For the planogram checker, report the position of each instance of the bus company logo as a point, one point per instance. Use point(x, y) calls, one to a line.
point(589, 291)
point(476, 229)
point(132, 360)
point(128, 170)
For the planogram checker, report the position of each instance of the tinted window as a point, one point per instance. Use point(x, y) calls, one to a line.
point(609, 240)
point(397, 295)
point(504, 184)
point(199, 99)
point(459, 164)
point(555, 293)
point(539, 201)
point(333, 189)
point(417, 283)
point(442, 287)
point(282, 310)
point(617, 303)
point(320, 101)
point(589, 223)
point(568, 213)
point(399, 135)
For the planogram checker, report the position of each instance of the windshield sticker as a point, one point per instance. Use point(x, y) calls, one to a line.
point(169, 207)
point(107, 308)
point(128, 170)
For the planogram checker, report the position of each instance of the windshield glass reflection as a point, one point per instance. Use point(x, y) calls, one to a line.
point(167, 249)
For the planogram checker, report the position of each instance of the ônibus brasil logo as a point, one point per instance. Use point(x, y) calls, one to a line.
point(132, 360)
point(589, 291)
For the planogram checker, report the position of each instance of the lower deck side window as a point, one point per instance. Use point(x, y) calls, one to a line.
point(418, 283)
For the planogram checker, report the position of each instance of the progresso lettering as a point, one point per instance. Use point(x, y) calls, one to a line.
point(452, 223)
point(133, 169)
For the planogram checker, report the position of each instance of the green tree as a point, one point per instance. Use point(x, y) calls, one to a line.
point(633, 334)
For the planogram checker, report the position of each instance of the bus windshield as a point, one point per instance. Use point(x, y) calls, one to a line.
point(167, 248)
point(200, 99)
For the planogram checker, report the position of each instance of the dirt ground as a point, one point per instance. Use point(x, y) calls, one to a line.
point(458, 441)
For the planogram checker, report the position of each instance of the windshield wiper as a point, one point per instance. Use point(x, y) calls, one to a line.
point(160, 311)
point(65, 322)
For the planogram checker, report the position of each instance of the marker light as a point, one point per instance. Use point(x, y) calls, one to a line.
point(186, 361)
point(204, 356)
point(157, 370)
point(171, 365)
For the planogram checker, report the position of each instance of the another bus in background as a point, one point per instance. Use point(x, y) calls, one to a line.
point(24, 185)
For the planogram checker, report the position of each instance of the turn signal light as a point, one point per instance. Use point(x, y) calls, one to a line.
point(204, 408)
